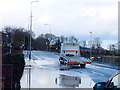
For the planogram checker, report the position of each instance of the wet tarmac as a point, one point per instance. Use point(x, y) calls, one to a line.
point(44, 71)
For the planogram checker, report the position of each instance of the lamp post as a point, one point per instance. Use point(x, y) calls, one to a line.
point(91, 45)
point(48, 25)
point(31, 27)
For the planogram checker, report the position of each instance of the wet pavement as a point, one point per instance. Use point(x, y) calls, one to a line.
point(44, 71)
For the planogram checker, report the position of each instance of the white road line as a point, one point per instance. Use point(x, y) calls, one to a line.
point(97, 73)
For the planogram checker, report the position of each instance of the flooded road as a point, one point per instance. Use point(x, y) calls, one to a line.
point(44, 71)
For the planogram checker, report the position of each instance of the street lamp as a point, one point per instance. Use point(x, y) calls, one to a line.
point(48, 25)
point(31, 27)
point(91, 45)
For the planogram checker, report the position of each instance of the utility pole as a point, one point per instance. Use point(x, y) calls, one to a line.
point(49, 25)
point(91, 45)
point(28, 39)
point(30, 43)
point(31, 28)
point(10, 47)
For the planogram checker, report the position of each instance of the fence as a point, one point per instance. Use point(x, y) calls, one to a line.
point(108, 60)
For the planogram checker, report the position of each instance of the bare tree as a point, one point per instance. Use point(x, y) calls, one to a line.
point(91, 44)
point(49, 36)
point(112, 48)
point(84, 43)
point(8, 31)
point(97, 42)
point(62, 38)
point(73, 39)
point(66, 39)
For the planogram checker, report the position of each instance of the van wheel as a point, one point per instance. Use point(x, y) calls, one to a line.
point(65, 63)
point(61, 63)
point(82, 65)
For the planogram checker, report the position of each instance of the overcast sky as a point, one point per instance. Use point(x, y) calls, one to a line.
point(66, 17)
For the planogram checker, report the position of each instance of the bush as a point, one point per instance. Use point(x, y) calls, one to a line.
point(14, 59)
point(18, 63)
point(13, 50)
point(5, 50)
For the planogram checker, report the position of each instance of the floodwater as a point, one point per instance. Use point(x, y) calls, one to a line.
point(44, 71)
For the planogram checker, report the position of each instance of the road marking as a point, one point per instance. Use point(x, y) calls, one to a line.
point(107, 67)
point(97, 73)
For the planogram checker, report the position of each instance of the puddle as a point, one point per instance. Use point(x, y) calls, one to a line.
point(68, 81)
point(55, 78)
point(46, 72)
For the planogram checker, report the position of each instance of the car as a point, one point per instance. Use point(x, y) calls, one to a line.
point(99, 57)
point(113, 83)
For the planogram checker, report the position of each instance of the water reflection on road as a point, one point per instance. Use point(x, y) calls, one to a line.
point(68, 81)
point(47, 73)
point(54, 78)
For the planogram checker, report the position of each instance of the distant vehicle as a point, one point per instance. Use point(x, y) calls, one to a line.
point(92, 58)
point(99, 57)
point(56, 53)
point(112, 84)
point(70, 55)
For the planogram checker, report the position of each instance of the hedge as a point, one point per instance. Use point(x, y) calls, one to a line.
point(18, 63)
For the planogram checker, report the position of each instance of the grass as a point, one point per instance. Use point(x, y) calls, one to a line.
point(116, 57)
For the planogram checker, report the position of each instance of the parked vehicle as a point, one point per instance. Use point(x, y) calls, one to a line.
point(113, 83)
point(70, 55)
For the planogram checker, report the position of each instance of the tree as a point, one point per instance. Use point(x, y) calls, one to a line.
point(17, 36)
point(73, 39)
point(97, 42)
point(113, 48)
point(40, 43)
point(58, 44)
point(8, 31)
point(62, 38)
point(49, 36)
point(83, 43)
point(91, 44)
point(4, 39)
point(66, 39)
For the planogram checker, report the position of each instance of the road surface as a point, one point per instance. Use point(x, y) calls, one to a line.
point(44, 71)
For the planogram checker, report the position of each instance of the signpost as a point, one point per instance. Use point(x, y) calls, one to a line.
point(9, 45)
